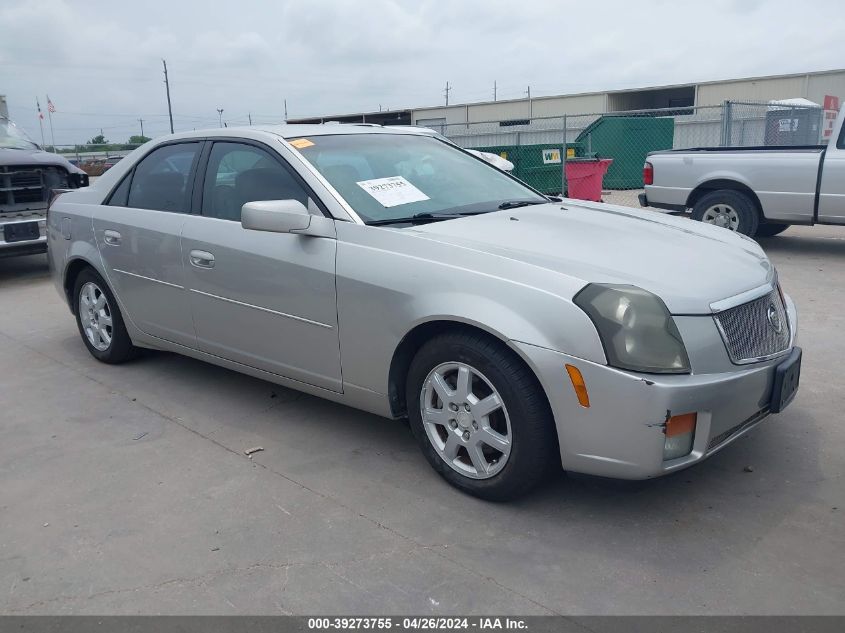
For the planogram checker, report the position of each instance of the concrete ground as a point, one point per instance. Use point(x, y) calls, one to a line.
point(125, 490)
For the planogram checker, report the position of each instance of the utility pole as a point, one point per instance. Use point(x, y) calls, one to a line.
point(448, 89)
point(494, 90)
point(220, 115)
point(530, 105)
point(167, 87)
point(141, 121)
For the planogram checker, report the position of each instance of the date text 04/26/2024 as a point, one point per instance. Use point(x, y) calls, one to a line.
point(417, 623)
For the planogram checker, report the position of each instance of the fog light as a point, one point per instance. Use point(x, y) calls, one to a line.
point(680, 431)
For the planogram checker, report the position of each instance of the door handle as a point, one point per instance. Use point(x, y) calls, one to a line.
point(111, 237)
point(202, 259)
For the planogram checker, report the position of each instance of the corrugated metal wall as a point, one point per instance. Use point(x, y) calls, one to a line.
point(757, 90)
point(812, 86)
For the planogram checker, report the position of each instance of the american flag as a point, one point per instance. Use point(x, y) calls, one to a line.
point(50, 107)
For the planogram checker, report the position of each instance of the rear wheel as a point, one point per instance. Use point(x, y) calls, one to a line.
point(99, 320)
point(729, 209)
point(770, 229)
point(480, 416)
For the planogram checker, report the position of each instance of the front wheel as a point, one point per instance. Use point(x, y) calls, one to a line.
point(480, 416)
point(99, 320)
point(732, 210)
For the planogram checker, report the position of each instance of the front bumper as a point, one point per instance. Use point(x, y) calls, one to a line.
point(621, 434)
point(25, 247)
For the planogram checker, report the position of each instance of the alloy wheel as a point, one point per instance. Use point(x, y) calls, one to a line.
point(95, 316)
point(466, 420)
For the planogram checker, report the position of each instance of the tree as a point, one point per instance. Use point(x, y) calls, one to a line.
point(137, 139)
point(98, 140)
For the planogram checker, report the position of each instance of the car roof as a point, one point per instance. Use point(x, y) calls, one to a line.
point(324, 129)
point(294, 131)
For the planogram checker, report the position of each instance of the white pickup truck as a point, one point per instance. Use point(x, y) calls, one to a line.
point(28, 177)
point(752, 190)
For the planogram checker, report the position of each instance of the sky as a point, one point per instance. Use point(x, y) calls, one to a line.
point(100, 61)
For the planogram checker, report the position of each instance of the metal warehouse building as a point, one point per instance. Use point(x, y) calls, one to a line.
point(812, 86)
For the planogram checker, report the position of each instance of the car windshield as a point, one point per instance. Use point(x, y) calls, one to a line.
point(12, 137)
point(396, 177)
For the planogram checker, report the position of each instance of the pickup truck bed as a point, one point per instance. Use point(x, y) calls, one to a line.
point(752, 189)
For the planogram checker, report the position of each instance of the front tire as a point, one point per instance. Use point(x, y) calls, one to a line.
point(729, 209)
point(480, 416)
point(99, 320)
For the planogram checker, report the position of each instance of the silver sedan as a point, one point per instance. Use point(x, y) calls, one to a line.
point(390, 270)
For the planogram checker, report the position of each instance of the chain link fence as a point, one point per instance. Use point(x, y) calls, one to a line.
point(93, 159)
point(546, 152)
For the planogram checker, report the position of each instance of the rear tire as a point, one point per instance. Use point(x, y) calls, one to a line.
point(729, 209)
point(491, 435)
point(770, 229)
point(99, 320)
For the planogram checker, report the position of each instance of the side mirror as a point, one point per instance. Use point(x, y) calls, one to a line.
point(275, 216)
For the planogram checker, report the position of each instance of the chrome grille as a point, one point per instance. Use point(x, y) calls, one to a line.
point(24, 187)
point(750, 330)
point(26, 179)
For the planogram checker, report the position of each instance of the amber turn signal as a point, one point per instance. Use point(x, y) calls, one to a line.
point(579, 385)
point(680, 424)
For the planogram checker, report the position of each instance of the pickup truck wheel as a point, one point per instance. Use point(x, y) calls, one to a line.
point(480, 416)
point(729, 209)
point(99, 320)
point(770, 229)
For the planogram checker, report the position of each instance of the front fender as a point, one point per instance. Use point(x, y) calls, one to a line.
point(383, 294)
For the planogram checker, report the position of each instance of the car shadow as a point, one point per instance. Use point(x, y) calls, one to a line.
point(737, 496)
point(804, 245)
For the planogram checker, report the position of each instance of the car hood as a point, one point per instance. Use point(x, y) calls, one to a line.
point(687, 264)
point(38, 157)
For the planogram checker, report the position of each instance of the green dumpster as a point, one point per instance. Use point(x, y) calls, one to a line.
point(537, 165)
point(627, 140)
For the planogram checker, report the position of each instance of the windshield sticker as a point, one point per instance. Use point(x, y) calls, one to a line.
point(301, 143)
point(392, 191)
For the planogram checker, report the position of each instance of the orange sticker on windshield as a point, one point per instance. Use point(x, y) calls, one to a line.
point(301, 143)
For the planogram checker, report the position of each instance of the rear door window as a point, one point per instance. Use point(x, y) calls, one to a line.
point(163, 179)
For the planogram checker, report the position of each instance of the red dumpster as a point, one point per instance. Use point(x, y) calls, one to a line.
point(584, 177)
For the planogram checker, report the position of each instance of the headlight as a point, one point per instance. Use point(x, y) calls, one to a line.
point(635, 328)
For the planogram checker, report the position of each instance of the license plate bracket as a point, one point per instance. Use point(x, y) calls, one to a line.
point(21, 231)
point(787, 376)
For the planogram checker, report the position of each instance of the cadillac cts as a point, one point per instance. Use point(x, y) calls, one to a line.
point(391, 271)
